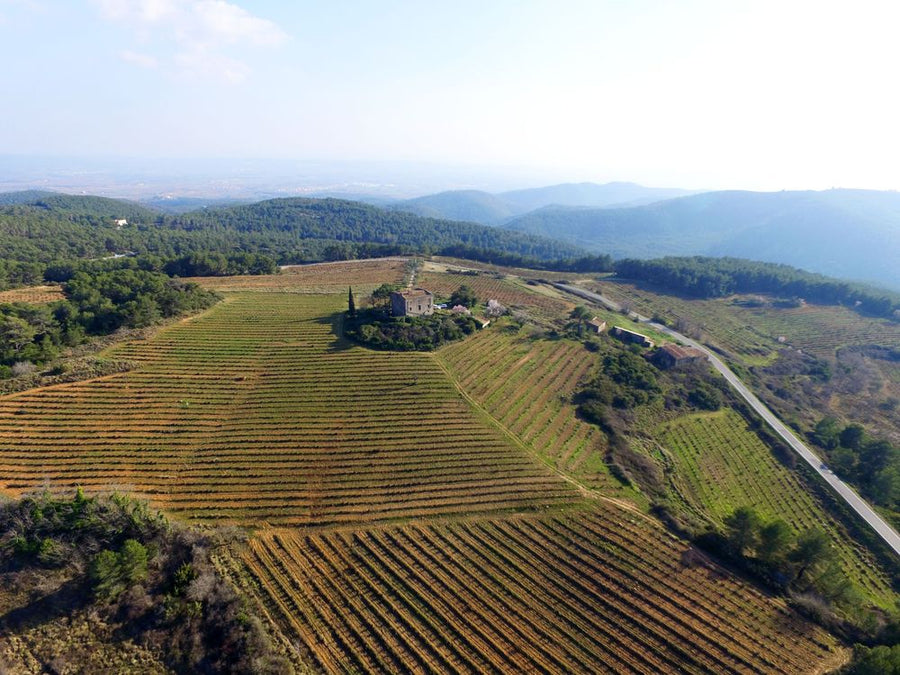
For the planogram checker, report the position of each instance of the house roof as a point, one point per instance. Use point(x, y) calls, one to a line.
point(630, 332)
point(597, 322)
point(414, 293)
point(680, 352)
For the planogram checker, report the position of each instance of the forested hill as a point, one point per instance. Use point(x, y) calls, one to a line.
point(852, 234)
point(719, 277)
point(78, 205)
point(494, 209)
point(45, 228)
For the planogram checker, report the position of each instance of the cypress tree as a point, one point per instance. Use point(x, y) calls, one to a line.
point(351, 305)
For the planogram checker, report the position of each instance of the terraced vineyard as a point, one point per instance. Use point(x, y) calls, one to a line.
point(526, 384)
point(257, 412)
point(602, 592)
point(721, 465)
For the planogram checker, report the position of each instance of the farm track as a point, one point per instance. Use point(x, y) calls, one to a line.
point(606, 591)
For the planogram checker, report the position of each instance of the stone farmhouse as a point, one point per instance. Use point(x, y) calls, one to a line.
point(626, 335)
point(412, 302)
point(675, 356)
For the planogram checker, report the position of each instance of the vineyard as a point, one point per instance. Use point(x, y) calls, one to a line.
point(526, 385)
point(255, 412)
point(603, 592)
point(34, 295)
point(721, 465)
point(321, 278)
point(822, 330)
point(418, 512)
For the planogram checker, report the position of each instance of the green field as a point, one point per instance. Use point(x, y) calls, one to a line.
point(719, 465)
point(752, 333)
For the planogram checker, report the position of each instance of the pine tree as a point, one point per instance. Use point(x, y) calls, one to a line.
point(351, 305)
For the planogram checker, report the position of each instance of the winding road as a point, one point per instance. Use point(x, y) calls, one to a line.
point(859, 505)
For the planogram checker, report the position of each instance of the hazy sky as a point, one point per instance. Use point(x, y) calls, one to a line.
point(763, 95)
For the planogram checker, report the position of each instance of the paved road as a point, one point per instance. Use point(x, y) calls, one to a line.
point(847, 493)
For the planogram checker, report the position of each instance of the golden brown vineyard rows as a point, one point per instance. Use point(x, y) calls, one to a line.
point(257, 412)
point(320, 278)
point(526, 385)
point(605, 591)
point(399, 529)
point(34, 295)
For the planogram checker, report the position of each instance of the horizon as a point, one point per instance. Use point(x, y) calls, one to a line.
point(756, 96)
point(142, 179)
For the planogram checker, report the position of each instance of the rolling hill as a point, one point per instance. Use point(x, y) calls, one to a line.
point(48, 227)
point(494, 209)
point(852, 234)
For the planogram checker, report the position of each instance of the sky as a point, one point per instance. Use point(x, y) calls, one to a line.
point(694, 94)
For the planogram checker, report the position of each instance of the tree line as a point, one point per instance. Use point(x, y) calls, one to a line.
point(872, 464)
point(704, 277)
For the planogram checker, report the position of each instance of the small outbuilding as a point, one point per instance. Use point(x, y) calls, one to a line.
point(412, 302)
point(631, 336)
point(675, 356)
point(597, 325)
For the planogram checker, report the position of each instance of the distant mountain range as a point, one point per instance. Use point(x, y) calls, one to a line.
point(495, 208)
point(853, 234)
point(850, 234)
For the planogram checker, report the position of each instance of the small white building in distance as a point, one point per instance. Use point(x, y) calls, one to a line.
point(120, 222)
point(412, 302)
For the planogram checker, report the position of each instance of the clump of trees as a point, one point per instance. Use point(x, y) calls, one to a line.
point(805, 565)
point(375, 329)
point(872, 464)
point(879, 660)
point(374, 326)
point(465, 296)
point(625, 380)
point(95, 304)
point(149, 579)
